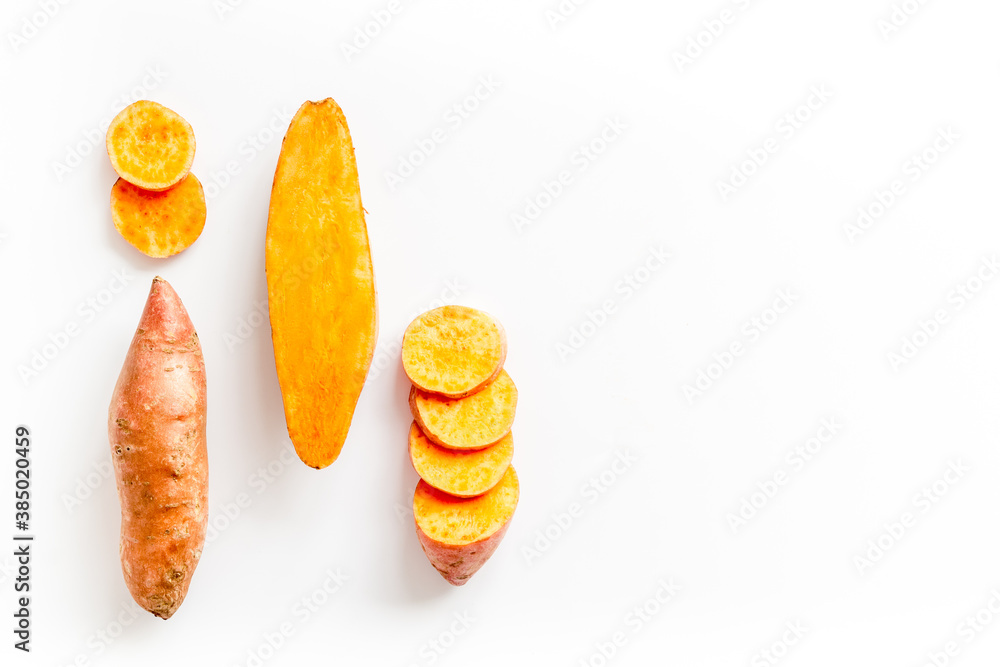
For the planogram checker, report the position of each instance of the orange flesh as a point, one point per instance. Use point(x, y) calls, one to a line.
point(150, 146)
point(478, 420)
point(159, 224)
point(454, 521)
point(463, 474)
point(320, 282)
point(453, 350)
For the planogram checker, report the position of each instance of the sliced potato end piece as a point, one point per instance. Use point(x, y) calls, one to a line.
point(459, 535)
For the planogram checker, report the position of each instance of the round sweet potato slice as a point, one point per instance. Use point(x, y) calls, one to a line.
point(159, 224)
point(453, 350)
point(150, 146)
point(473, 422)
point(459, 535)
point(461, 473)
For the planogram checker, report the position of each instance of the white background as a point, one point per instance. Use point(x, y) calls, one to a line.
point(233, 74)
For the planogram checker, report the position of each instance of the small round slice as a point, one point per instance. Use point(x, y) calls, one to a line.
point(150, 146)
point(459, 535)
point(159, 224)
point(476, 421)
point(463, 474)
point(453, 350)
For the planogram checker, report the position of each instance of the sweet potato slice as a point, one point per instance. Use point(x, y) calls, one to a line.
point(460, 473)
point(320, 282)
point(476, 421)
point(453, 350)
point(459, 535)
point(150, 146)
point(159, 224)
point(156, 428)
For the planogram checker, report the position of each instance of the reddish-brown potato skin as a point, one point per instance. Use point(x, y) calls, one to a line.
point(457, 563)
point(156, 427)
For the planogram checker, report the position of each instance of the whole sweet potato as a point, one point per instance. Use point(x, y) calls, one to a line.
point(156, 426)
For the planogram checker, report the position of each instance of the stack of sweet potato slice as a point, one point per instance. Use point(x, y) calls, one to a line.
point(157, 204)
point(460, 443)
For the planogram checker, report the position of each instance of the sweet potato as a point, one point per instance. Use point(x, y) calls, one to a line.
point(473, 422)
point(459, 535)
point(320, 282)
point(461, 473)
point(453, 350)
point(156, 427)
point(150, 146)
point(159, 224)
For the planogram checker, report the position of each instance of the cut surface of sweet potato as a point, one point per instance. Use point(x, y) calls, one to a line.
point(320, 282)
point(476, 421)
point(460, 473)
point(453, 350)
point(150, 146)
point(159, 224)
point(459, 535)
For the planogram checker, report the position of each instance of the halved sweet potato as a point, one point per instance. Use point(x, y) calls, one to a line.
point(476, 421)
point(460, 473)
point(453, 350)
point(150, 146)
point(320, 282)
point(159, 224)
point(459, 535)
